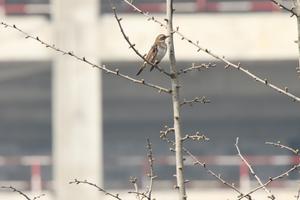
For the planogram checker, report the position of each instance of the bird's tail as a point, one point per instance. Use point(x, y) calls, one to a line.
point(152, 67)
point(141, 69)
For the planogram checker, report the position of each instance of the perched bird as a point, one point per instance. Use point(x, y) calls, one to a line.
point(156, 53)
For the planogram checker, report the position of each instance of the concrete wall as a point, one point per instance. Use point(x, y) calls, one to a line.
point(236, 36)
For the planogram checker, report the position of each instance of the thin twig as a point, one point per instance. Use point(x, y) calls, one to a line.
point(203, 100)
point(220, 58)
point(22, 193)
point(270, 195)
point(151, 174)
point(133, 181)
point(196, 67)
point(271, 179)
point(139, 194)
point(277, 144)
point(164, 134)
point(115, 72)
point(291, 10)
point(132, 46)
point(195, 137)
point(38, 197)
point(116, 196)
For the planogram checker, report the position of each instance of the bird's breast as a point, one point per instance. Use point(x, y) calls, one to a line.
point(161, 51)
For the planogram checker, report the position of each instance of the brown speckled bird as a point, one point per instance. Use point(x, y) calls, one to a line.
point(156, 53)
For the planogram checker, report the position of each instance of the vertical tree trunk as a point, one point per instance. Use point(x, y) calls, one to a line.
point(176, 107)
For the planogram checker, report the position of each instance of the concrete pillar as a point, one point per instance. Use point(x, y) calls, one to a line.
point(77, 121)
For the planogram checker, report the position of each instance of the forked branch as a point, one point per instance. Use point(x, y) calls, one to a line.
point(271, 179)
point(164, 136)
point(227, 63)
point(270, 195)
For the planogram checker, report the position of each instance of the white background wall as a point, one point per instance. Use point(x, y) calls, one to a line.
point(236, 36)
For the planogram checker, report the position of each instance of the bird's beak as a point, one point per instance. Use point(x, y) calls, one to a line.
point(167, 36)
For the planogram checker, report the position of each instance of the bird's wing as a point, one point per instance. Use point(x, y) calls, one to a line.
point(153, 55)
point(150, 57)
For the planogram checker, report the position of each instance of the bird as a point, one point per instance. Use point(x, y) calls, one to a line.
point(156, 53)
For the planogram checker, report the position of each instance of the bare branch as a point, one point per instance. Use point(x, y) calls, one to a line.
point(22, 193)
point(115, 72)
point(271, 179)
point(277, 144)
point(151, 174)
point(167, 131)
point(116, 196)
point(132, 46)
point(195, 100)
point(38, 197)
point(291, 10)
point(196, 67)
point(139, 194)
point(148, 193)
point(133, 181)
point(220, 58)
point(164, 136)
point(270, 195)
point(195, 137)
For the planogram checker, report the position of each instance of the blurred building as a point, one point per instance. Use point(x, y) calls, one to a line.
point(41, 7)
point(255, 33)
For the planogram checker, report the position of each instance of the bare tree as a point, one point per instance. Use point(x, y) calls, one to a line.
point(177, 101)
